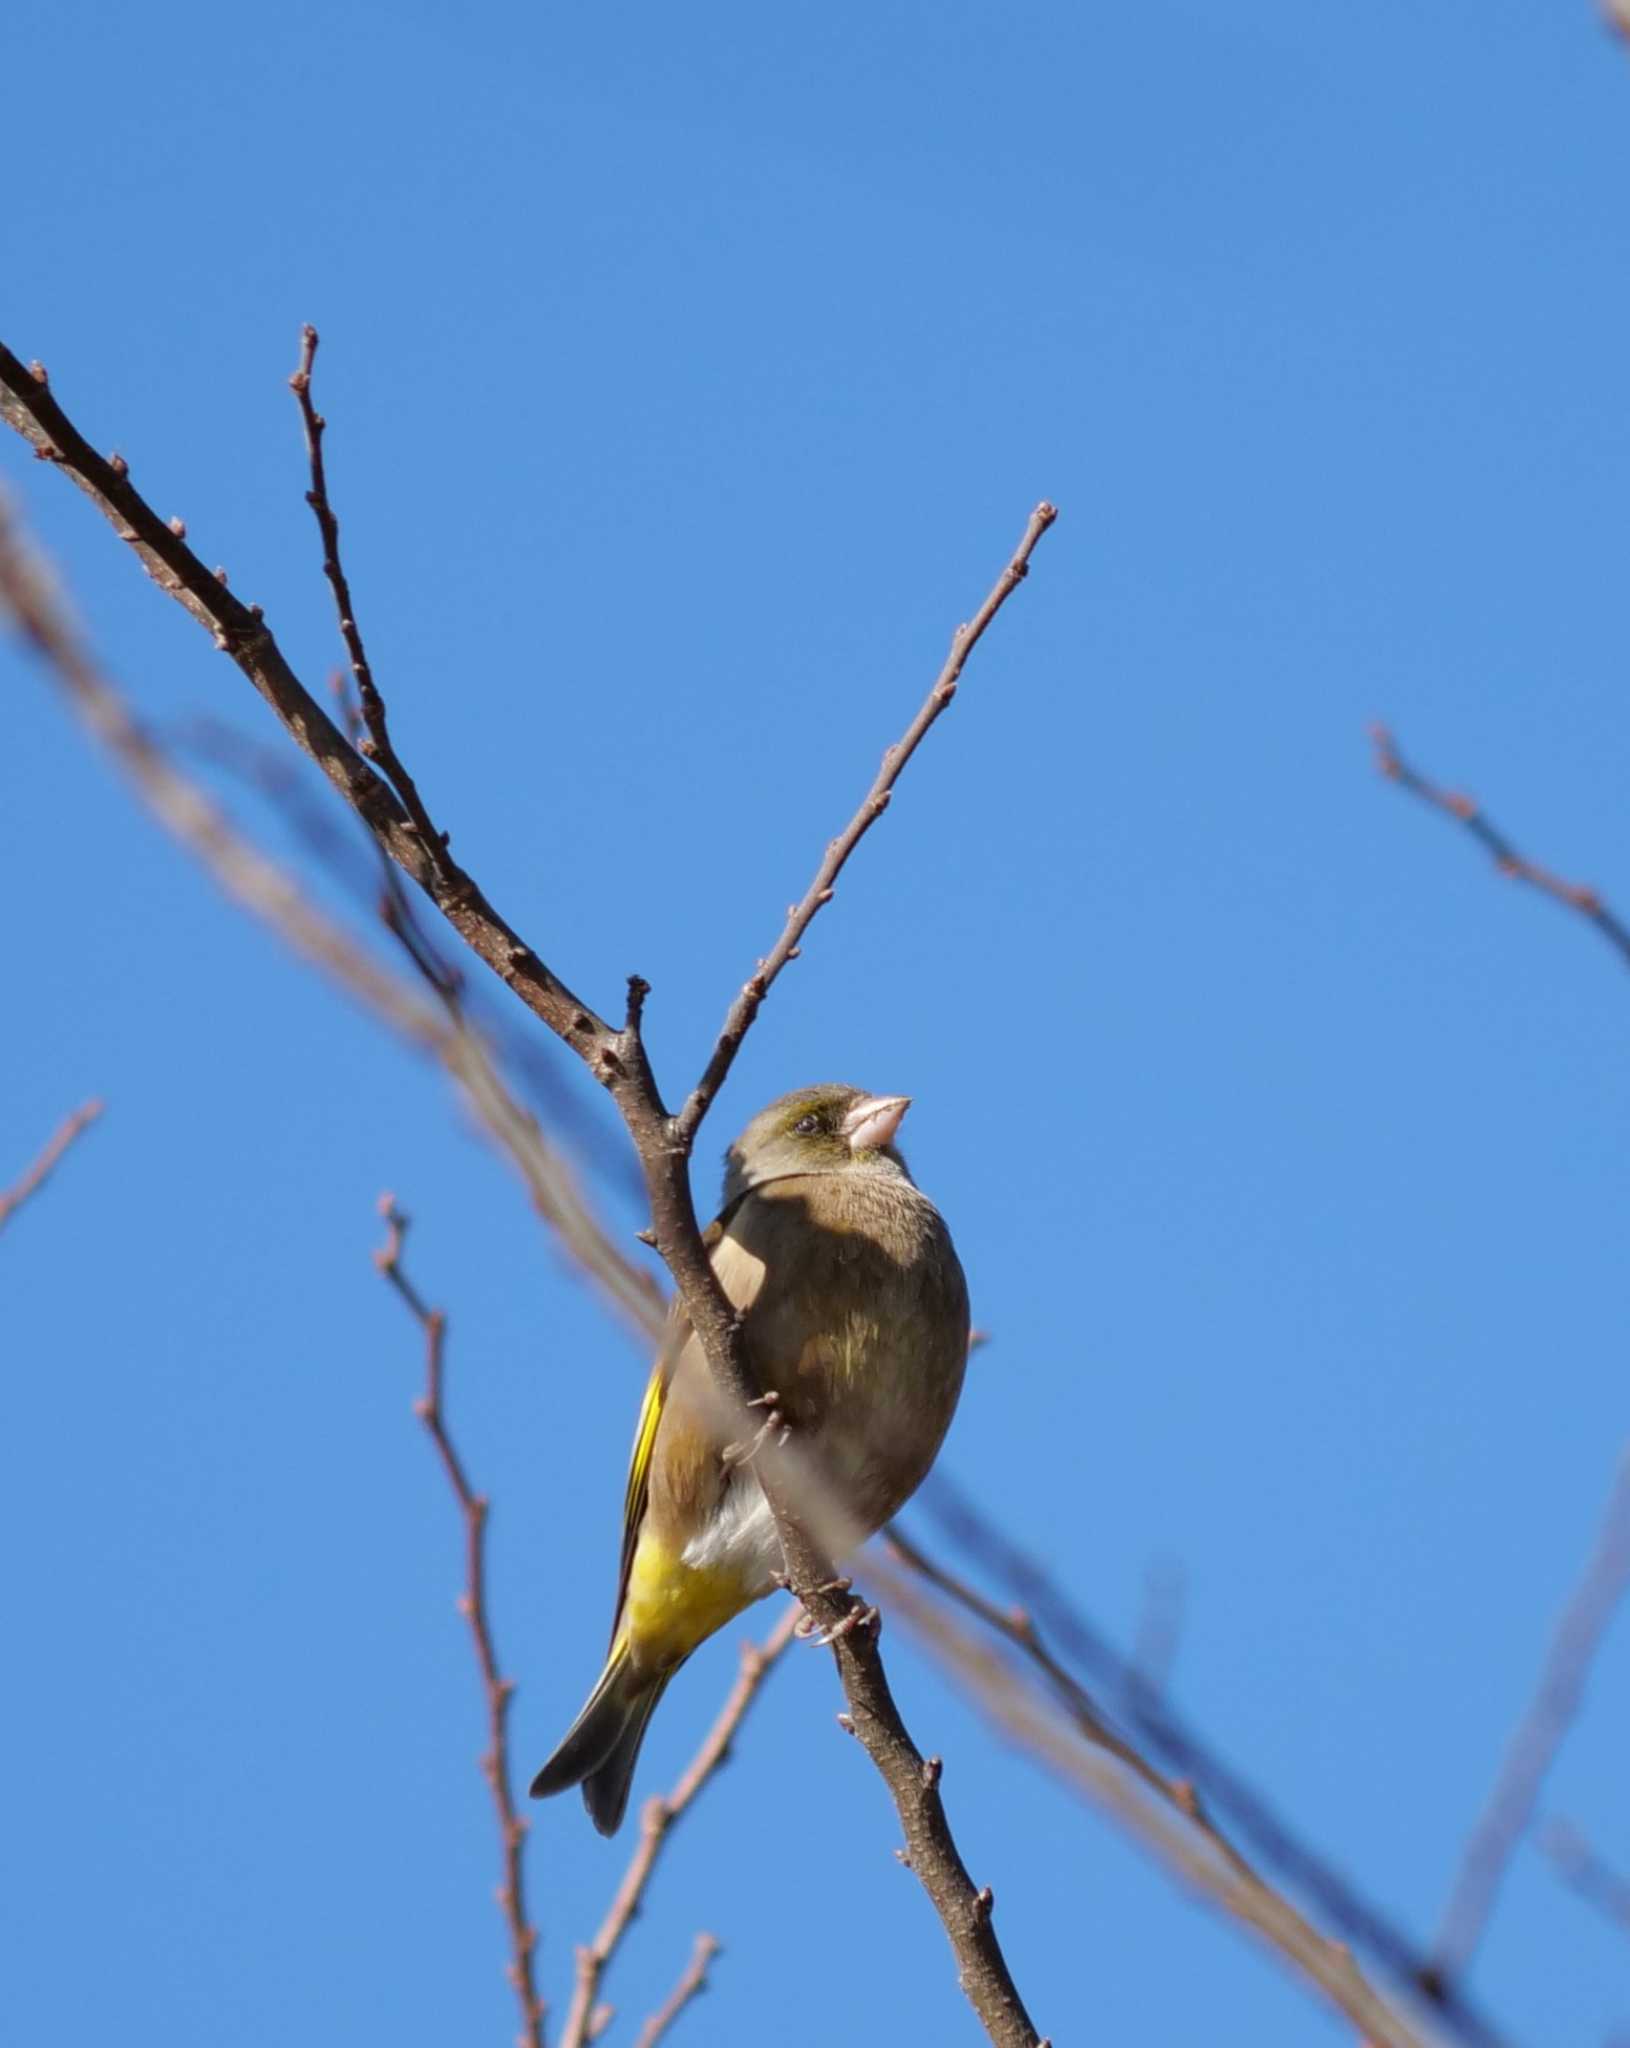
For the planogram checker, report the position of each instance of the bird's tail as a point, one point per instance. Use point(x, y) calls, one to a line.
point(601, 1747)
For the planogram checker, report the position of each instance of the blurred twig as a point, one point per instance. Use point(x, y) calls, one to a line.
point(1584, 1870)
point(693, 1981)
point(351, 859)
point(1573, 895)
point(23, 1190)
point(587, 2018)
point(261, 886)
point(500, 1691)
point(1510, 1809)
point(1189, 1773)
point(617, 1057)
point(1170, 1825)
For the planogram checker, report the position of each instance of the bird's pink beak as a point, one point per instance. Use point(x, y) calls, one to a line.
point(873, 1121)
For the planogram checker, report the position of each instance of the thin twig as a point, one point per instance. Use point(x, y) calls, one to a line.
point(240, 631)
point(280, 780)
point(1174, 1831)
point(693, 1981)
point(272, 894)
point(376, 746)
point(619, 1061)
point(500, 1691)
point(800, 916)
point(587, 2018)
point(21, 1191)
point(1510, 1809)
point(1583, 1869)
point(1191, 1774)
point(1572, 895)
point(1019, 1628)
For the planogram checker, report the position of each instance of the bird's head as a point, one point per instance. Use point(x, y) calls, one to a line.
point(825, 1129)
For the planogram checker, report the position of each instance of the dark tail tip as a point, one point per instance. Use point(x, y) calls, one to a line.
point(605, 1789)
point(606, 1796)
point(593, 1736)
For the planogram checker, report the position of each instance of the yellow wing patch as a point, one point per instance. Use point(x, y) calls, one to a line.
point(639, 1475)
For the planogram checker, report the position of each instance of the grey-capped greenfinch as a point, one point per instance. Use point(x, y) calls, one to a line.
point(855, 1312)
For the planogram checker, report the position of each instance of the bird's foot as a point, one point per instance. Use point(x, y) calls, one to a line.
point(774, 1423)
point(858, 1615)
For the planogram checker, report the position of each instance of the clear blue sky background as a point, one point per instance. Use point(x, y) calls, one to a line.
point(691, 372)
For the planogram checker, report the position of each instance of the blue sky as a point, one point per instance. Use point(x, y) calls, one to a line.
point(690, 375)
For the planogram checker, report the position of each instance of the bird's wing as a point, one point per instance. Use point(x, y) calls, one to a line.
point(645, 1430)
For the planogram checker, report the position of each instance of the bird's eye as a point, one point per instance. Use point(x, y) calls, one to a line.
point(807, 1126)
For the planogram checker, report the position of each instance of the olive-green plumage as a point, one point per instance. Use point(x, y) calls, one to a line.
point(855, 1312)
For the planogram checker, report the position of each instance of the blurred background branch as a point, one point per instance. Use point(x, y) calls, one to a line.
point(1506, 1818)
point(1189, 1777)
point(1583, 1869)
point(1465, 811)
point(617, 1058)
point(1189, 1774)
point(24, 1189)
point(274, 896)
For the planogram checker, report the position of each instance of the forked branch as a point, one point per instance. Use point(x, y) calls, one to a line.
point(800, 916)
point(617, 1058)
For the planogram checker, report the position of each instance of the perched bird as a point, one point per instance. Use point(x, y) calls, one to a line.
point(855, 1313)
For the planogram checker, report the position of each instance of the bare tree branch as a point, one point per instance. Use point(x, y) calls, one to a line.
point(240, 631)
point(21, 1191)
point(376, 747)
point(500, 1691)
point(349, 856)
point(1573, 895)
point(272, 895)
point(1193, 1778)
point(617, 1058)
point(1173, 1829)
point(1586, 1871)
point(693, 1981)
point(1510, 1809)
point(800, 916)
point(587, 2018)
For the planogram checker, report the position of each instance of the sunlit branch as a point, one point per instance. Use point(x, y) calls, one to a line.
point(618, 1059)
point(692, 1982)
point(587, 2017)
point(1572, 895)
point(498, 1690)
point(268, 891)
point(1189, 1772)
point(26, 1188)
point(1172, 1828)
